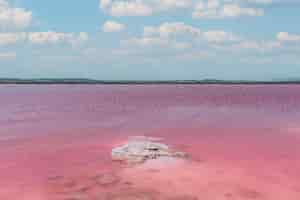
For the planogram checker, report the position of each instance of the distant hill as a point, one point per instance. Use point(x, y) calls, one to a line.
point(46, 81)
point(92, 81)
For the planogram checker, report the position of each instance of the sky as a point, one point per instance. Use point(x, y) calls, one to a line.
point(150, 39)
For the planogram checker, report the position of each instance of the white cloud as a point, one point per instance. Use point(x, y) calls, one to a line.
point(211, 9)
point(177, 40)
point(285, 36)
point(180, 29)
point(282, 43)
point(141, 7)
point(83, 36)
point(8, 55)
point(260, 1)
point(182, 45)
point(105, 3)
point(179, 36)
point(13, 18)
point(258, 46)
point(202, 12)
point(211, 4)
point(234, 10)
point(11, 38)
point(169, 4)
point(144, 42)
point(76, 40)
point(219, 36)
point(3, 3)
point(50, 37)
point(126, 8)
point(215, 9)
point(171, 29)
point(112, 26)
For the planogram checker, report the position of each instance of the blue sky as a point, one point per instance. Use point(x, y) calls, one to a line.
point(150, 39)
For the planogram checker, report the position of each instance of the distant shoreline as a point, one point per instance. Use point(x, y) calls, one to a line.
point(101, 82)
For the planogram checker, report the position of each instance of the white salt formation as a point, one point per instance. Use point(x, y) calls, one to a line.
point(140, 149)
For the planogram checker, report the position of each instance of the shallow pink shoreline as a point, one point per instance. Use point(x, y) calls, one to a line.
point(244, 140)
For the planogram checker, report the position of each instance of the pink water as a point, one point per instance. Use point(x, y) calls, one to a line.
point(244, 141)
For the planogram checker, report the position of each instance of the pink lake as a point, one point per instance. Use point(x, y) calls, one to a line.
point(56, 141)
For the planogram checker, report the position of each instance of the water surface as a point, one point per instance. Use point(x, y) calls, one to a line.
point(244, 141)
